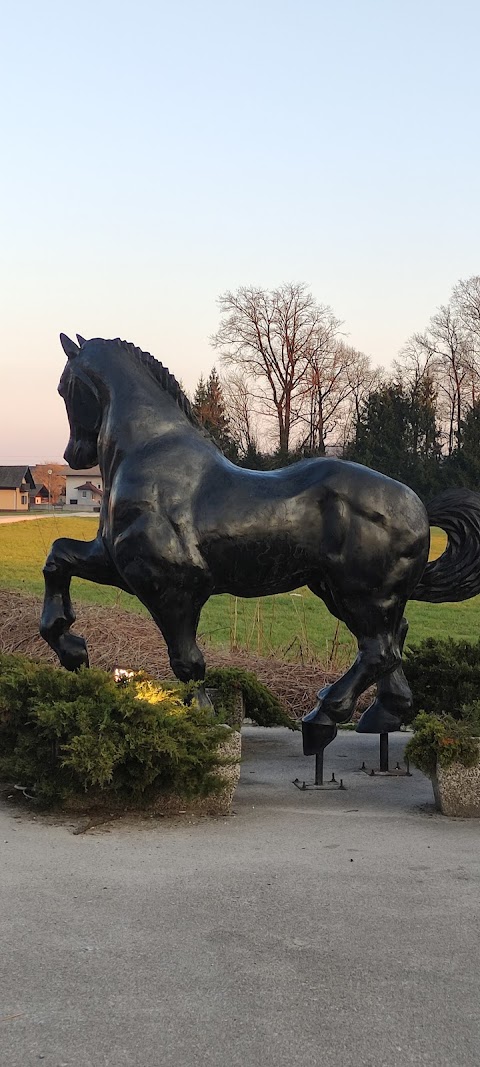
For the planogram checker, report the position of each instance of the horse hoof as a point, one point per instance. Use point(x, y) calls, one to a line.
point(189, 671)
point(316, 736)
point(72, 652)
point(318, 716)
point(378, 719)
point(202, 698)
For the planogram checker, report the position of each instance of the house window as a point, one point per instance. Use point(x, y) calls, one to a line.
point(73, 501)
point(24, 499)
point(98, 485)
point(84, 492)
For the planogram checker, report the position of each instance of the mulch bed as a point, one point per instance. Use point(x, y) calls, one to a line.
point(119, 638)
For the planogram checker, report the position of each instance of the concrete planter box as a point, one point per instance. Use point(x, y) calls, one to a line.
point(217, 803)
point(238, 711)
point(220, 803)
point(457, 790)
point(94, 801)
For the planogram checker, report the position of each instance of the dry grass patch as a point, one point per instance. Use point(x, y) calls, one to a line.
point(118, 638)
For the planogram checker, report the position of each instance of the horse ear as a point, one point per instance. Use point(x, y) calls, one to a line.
point(69, 347)
point(81, 340)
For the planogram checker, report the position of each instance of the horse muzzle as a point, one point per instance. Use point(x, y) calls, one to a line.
point(81, 454)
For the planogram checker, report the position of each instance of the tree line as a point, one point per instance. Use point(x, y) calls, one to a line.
point(292, 388)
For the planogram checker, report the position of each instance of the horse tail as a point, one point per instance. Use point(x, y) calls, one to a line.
point(455, 575)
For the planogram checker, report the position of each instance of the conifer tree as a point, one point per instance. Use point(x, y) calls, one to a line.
point(396, 433)
point(209, 407)
point(463, 466)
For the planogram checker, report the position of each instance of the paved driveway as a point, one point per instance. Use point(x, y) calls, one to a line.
point(335, 928)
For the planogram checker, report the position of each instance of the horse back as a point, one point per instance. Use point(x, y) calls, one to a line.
point(257, 532)
point(323, 517)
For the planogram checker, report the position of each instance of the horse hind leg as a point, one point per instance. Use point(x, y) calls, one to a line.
point(376, 627)
point(393, 701)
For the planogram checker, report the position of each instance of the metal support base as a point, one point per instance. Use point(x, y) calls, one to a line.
point(319, 782)
point(384, 771)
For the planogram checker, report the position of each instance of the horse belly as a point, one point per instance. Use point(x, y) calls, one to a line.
point(257, 568)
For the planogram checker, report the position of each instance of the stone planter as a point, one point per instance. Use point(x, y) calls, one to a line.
point(221, 802)
point(238, 711)
point(96, 802)
point(231, 750)
point(457, 790)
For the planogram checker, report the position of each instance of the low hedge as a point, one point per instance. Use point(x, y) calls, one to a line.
point(260, 704)
point(444, 675)
point(440, 740)
point(445, 678)
point(63, 734)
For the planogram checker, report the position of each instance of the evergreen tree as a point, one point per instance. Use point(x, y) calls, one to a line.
point(200, 397)
point(209, 407)
point(396, 433)
point(383, 434)
point(424, 466)
point(463, 466)
point(253, 459)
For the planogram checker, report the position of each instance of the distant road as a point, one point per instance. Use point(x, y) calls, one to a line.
point(15, 517)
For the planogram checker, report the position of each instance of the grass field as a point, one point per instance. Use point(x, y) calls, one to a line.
point(293, 624)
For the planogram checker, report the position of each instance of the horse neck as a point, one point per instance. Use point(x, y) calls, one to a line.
point(137, 409)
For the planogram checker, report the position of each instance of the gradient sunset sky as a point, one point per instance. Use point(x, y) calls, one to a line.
point(155, 155)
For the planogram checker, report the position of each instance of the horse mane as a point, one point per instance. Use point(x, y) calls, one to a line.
point(165, 379)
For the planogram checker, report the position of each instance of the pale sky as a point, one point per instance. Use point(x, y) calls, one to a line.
point(155, 155)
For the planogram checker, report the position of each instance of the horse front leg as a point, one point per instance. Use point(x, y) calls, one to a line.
point(174, 597)
point(177, 616)
point(70, 558)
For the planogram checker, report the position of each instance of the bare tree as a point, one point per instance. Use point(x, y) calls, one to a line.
point(363, 379)
point(52, 475)
point(337, 376)
point(241, 413)
point(415, 372)
point(466, 303)
point(274, 337)
point(445, 349)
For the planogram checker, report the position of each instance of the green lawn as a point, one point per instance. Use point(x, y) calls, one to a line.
point(295, 624)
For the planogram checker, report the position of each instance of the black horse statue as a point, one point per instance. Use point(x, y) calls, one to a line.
point(180, 523)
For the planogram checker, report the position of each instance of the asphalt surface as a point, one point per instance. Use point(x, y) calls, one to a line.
point(333, 928)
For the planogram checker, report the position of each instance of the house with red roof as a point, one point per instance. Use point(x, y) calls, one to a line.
point(83, 489)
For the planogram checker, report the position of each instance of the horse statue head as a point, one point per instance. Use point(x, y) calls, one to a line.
point(95, 371)
point(83, 406)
